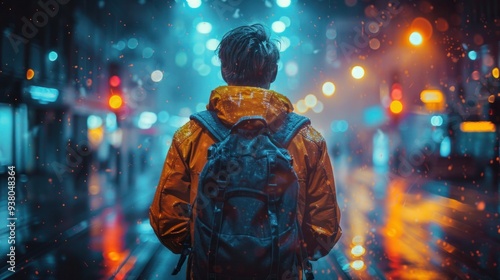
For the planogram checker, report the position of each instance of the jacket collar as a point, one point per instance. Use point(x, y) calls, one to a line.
point(233, 102)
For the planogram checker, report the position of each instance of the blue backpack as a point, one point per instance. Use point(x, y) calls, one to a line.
point(245, 222)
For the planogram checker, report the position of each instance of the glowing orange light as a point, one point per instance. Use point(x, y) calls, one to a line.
point(30, 74)
point(114, 81)
point(423, 26)
point(495, 72)
point(396, 107)
point(432, 96)
point(115, 101)
point(481, 126)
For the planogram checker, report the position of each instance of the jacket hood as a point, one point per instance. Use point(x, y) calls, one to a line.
point(233, 102)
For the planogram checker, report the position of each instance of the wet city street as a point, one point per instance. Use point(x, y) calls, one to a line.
point(406, 95)
point(394, 228)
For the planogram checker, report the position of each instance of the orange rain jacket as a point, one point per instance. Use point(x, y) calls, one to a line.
point(318, 211)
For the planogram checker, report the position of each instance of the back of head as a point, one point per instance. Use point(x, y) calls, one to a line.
point(248, 57)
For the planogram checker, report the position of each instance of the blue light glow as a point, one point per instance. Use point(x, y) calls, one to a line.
point(132, 43)
point(380, 149)
point(437, 120)
point(147, 52)
point(146, 120)
point(284, 43)
point(339, 126)
point(212, 44)
point(194, 3)
point(278, 26)
point(283, 3)
point(163, 116)
point(42, 94)
point(373, 116)
point(472, 55)
point(111, 123)
point(445, 147)
point(286, 20)
point(215, 61)
point(94, 121)
point(204, 27)
point(53, 56)
point(120, 45)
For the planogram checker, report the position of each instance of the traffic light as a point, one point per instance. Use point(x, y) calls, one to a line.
point(396, 105)
point(115, 93)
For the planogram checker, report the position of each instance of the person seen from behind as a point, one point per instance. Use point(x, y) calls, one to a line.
point(249, 66)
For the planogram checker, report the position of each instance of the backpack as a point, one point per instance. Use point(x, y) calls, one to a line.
point(245, 223)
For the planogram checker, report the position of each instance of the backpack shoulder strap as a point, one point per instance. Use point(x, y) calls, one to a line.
point(292, 124)
point(210, 121)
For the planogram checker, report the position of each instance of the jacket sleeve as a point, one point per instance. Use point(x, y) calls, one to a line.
point(170, 212)
point(321, 224)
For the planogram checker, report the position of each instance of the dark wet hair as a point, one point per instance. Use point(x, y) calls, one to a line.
point(248, 57)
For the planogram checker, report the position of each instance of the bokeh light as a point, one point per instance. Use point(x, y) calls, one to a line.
point(475, 75)
point(204, 27)
point(284, 43)
point(194, 3)
point(374, 27)
point(374, 43)
point(215, 61)
point(495, 72)
point(212, 44)
point(416, 38)
point(339, 126)
point(147, 120)
point(358, 72)
point(53, 56)
point(132, 43)
point(114, 81)
point(157, 76)
point(436, 120)
point(283, 3)
point(204, 70)
point(278, 26)
point(423, 26)
point(311, 100)
point(147, 52)
point(291, 68)
point(120, 45)
point(94, 121)
point(328, 88)
point(301, 106)
point(318, 108)
point(396, 107)
point(442, 25)
point(331, 33)
point(30, 73)
point(115, 101)
point(472, 55)
point(358, 250)
point(286, 20)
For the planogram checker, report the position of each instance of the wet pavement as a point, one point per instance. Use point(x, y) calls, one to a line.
point(394, 228)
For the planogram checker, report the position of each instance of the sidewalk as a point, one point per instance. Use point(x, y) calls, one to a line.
point(81, 229)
